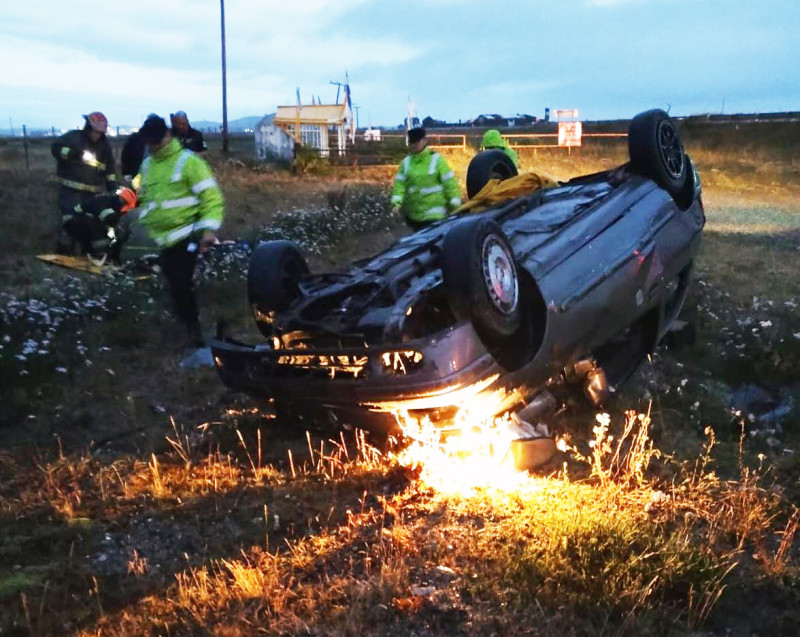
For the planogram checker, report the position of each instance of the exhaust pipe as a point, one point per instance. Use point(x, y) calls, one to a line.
point(596, 387)
point(543, 404)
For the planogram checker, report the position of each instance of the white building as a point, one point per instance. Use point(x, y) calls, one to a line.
point(322, 126)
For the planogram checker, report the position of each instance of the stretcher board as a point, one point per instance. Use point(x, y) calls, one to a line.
point(80, 263)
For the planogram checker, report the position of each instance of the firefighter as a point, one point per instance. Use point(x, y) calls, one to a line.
point(425, 189)
point(93, 224)
point(181, 206)
point(189, 137)
point(84, 169)
point(493, 140)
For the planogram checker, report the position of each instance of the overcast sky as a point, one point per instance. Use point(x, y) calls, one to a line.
point(454, 58)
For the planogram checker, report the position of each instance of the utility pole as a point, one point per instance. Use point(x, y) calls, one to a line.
point(224, 81)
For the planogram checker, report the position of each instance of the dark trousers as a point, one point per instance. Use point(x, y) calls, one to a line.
point(88, 231)
point(178, 265)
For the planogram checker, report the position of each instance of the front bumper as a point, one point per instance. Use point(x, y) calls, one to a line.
point(365, 386)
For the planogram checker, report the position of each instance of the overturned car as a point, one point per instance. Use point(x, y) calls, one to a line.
point(562, 288)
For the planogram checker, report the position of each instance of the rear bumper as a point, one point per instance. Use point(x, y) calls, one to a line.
point(364, 386)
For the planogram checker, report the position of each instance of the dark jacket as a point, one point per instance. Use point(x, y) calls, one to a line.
point(192, 140)
point(132, 154)
point(82, 165)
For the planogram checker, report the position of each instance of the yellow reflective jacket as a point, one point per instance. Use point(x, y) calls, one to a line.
point(425, 187)
point(493, 140)
point(179, 195)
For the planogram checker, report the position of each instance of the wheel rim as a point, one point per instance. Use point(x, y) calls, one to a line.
point(500, 275)
point(669, 146)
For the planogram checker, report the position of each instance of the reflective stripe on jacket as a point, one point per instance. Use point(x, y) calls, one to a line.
point(83, 164)
point(179, 196)
point(425, 187)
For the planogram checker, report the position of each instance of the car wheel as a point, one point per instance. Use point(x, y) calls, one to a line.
point(481, 279)
point(486, 165)
point(273, 279)
point(656, 150)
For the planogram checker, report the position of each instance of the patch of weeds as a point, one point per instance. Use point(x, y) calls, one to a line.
point(309, 161)
point(318, 230)
point(12, 584)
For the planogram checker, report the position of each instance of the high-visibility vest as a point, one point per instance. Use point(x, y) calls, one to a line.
point(425, 187)
point(179, 196)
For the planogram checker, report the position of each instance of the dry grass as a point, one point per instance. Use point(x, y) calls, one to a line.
point(344, 541)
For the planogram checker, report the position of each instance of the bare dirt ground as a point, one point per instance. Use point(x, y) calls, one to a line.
point(140, 497)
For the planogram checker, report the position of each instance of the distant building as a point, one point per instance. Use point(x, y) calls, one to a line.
point(272, 142)
point(493, 120)
point(322, 126)
point(489, 120)
point(429, 122)
point(522, 119)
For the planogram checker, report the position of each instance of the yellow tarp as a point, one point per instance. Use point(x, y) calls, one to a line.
point(73, 263)
point(82, 264)
point(497, 191)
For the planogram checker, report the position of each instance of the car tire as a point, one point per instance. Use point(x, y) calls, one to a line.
point(273, 277)
point(486, 165)
point(656, 151)
point(481, 279)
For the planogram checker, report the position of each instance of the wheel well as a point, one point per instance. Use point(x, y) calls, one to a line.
point(516, 350)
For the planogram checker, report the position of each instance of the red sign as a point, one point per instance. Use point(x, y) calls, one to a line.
point(570, 133)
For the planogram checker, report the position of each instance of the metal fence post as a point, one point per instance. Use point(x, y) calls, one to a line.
point(25, 144)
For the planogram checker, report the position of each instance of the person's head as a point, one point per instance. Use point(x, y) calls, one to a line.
point(154, 132)
point(180, 123)
point(493, 139)
point(417, 139)
point(96, 125)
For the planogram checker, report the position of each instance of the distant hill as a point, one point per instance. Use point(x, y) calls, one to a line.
point(240, 125)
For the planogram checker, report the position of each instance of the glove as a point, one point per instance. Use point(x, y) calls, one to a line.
point(207, 240)
point(126, 198)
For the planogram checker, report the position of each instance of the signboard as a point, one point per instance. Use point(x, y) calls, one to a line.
point(569, 133)
point(570, 112)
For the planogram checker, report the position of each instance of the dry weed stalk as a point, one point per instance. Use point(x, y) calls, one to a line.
point(623, 462)
point(137, 565)
point(701, 603)
point(158, 485)
point(777, 565)
point(180, 444)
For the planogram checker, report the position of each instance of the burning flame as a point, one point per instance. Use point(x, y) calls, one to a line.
point(474, 452)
